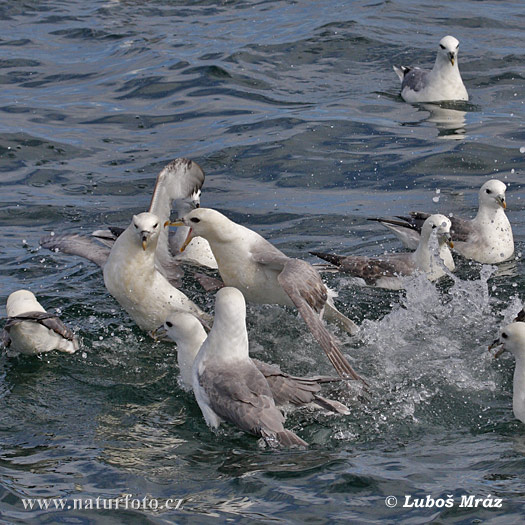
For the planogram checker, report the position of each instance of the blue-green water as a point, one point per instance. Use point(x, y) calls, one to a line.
point(292, 109)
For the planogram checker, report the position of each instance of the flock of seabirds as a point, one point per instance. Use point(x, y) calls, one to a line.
point(143, 266)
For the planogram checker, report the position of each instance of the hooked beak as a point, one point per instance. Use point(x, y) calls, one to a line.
point(447, 239)
point(452, 57)
point(180, 222)
point(495, 343)
point(159, 334)
point(501, 201)
point(144, 241)
point(187, 241)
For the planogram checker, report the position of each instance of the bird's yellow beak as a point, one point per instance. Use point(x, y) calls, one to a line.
point(452, 60)
point(502, 202)
point(178, 222)
point(450, 243)
point(144, 244)
point(187, 241)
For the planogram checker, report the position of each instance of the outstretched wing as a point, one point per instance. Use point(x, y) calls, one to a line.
point(46, 319)
point(371, 269)
point(186, 180)
point(75, 244)
point(305, 288)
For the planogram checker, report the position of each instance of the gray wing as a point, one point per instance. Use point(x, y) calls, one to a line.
point(371, 269)
point(414, 79)
point(75, 244)
point(109, 236)
point(266, 253)
point(305, 288)
point(408, 233)
point(292, 389)
point(46, 319)
point(242, 397)
point(460, 230)
point(186, 180)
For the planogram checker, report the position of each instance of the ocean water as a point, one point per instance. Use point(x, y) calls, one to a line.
point(293, 111)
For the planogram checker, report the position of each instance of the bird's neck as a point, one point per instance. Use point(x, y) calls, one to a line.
point(161, 203)
point(140, 257)
point(443, 67)
point(518, 397)
point(229, 341)
point(187, 350)
point(489, 214)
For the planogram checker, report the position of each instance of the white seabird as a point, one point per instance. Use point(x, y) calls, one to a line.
point(512, 338)
point(30, 330)
point(178, 184)
point(227, 384)
point(486, 239)
point(189, 335)
point(385, 270)
point(442, 83)
point(265, 275)
point(131, 277)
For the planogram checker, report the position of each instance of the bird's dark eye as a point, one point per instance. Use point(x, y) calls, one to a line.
point(434, 226)
point(195, 219)
point(169, 324)
point(504, 335)
point(488, 191)
point(155, 225)
point(441, 46)
point(136, 226)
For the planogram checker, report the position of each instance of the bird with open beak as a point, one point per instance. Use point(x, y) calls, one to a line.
point(265, 275)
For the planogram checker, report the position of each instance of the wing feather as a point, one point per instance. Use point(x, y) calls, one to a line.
point(74, 244)
point(305, 288)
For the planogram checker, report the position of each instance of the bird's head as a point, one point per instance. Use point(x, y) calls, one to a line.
point(203, 222)
point(511, 338)
point(146, 227)
point(448, 49)
point(440, 225)
point(492, 194)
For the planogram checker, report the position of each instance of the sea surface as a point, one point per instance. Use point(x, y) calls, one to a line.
point(293, 111)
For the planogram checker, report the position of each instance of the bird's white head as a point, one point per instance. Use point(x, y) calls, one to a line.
point(492, 194)
point(230, 307)
point(512, 338)
point(182, 326)
point(146, 227)
point(207, 223)
point(440, 225)
point(448, 50)
point(22, 301)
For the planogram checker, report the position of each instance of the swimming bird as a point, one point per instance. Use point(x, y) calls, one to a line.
point(131, 277)
point(385, 270)
point(30, 330)
point(227, 384)
point(443, 82)
point(179, 185)
point(185, 330)
point(487, 238)
point(265, 275)
point(512, 338)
